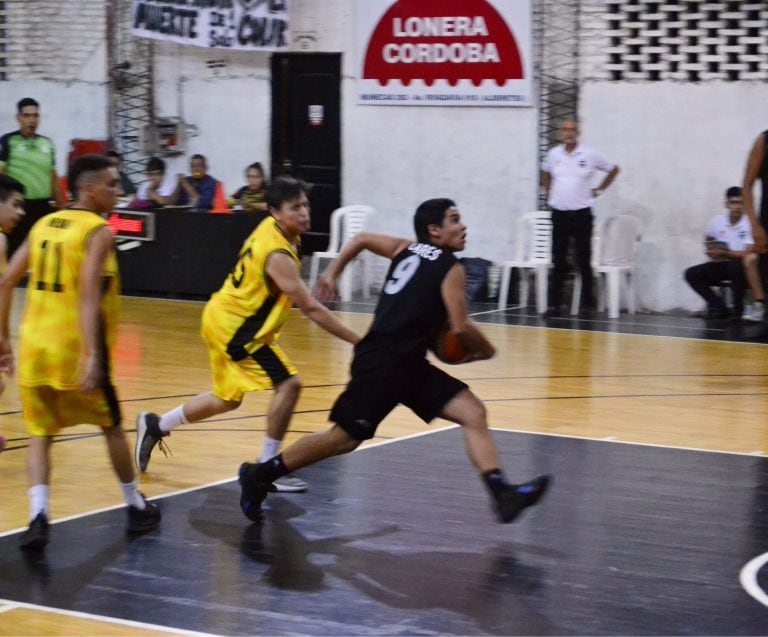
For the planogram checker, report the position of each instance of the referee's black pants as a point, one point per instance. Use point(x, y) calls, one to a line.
point(567, 224)
point(705, 275)
point(34, 209)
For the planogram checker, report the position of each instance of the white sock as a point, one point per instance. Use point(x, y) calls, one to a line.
point(269, 448)
point(38, 500)
point(173, 419)
point(132, 496)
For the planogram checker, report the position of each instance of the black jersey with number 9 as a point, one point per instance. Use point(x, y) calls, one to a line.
point(410, 311)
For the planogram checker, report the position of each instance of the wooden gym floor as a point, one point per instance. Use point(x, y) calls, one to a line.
point(657, 523)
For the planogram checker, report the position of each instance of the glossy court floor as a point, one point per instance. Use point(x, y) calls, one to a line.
point(653, 427)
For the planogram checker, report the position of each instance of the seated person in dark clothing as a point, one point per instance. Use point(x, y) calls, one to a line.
point(251, 197)
point(128, 186)
point(729, 245)
point(199, 188)
point(157, 191)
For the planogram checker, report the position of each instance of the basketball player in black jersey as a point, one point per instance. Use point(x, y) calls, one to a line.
point(424, 288)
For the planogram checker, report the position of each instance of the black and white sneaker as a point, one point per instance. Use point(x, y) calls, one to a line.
point(148, 434)
point(512, 500)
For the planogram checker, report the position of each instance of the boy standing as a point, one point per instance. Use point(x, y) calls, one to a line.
point(67, 334)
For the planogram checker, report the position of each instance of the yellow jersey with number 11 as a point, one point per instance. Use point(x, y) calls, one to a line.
point(51, 342)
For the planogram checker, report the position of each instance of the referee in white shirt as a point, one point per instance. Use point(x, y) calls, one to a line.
point(567, 177)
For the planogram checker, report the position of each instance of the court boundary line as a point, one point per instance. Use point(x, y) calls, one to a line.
point(12, 605)
point(216, 483)
point(748, 578)
point(607, 439)
point(615, 440)
point(747, 575)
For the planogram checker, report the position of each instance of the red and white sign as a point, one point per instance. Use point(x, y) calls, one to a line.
point(444, 52)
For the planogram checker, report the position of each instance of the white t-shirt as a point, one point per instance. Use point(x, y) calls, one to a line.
point(737, 237)
point(166, 188)
point(572, 173)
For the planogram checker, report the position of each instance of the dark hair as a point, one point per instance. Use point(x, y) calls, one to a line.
point(113, 153)
point(155, 163)
point(285, 188)
point(199, 156)
point(428, 213)
point(27, 101)
point(733, 191)
point(256, 166)
point(9, 185)
point(84, 169)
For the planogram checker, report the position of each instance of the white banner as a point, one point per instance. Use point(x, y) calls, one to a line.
point(444, 52)
point(239, 25)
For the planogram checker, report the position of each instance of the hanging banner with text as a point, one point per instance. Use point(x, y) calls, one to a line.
point(238, 25)
point(444, 52)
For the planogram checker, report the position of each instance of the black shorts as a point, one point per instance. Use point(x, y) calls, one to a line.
point(379, 383)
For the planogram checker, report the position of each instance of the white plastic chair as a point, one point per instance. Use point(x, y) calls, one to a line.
point(533, 254)
point(614, 264)
point(345, 222)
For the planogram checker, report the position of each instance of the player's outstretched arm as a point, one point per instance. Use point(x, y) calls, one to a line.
point(382, 244)
point(281, 269)
point(453, 292)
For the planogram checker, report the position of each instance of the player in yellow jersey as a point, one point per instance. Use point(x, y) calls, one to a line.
point(11, 210)
point(67, 333)
point(241, 324)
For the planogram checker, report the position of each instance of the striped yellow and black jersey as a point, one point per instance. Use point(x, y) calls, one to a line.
point(256, 311)
point(51, 340)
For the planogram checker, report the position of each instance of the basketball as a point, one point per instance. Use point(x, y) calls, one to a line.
point(448, 347)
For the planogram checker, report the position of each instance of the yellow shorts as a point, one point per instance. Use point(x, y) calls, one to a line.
point(265, 366)
point(47, 410)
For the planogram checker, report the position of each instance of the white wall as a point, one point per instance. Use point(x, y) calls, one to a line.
point(229, 105)
point(679, 146)
point(393, 157)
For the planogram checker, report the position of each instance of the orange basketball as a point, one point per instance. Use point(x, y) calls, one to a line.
point(449, 348)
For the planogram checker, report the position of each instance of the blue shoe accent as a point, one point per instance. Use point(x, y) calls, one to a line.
point(252, 493)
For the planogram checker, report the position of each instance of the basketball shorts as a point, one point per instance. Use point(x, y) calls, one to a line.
point(47, 410)
point(379, 383)
point(265, 366)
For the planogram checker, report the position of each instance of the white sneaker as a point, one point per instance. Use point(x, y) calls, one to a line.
point(758, 312)
point(290, 484)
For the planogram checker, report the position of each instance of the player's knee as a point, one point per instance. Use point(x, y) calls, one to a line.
point(472, 411)
point(292, 384)
point(345, 441)
point(229, 405)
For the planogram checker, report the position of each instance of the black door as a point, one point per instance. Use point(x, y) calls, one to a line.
point(306, 132)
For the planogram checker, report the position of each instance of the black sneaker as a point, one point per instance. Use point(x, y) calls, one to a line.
point(252, 491)
point(35, 538)
point(511, 502)
point(143, 520)
point(148, 435)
